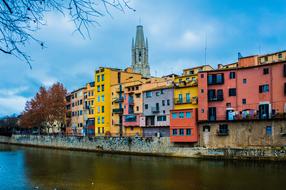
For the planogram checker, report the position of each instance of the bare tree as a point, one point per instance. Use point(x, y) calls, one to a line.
point(21, 19)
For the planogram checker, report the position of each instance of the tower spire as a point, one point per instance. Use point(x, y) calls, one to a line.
point(140, 62)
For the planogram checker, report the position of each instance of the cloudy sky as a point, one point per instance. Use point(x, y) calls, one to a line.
point(176, 31)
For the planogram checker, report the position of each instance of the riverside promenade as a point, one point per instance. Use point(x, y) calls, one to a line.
point(145, 146)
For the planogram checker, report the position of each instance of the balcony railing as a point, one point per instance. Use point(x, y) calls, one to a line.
point(193, 100)
point(130, 118)
point(187, 83)
point(245, 116)
point(155, 110)
point(118, 100)
point(215, 99)
point(117, 111)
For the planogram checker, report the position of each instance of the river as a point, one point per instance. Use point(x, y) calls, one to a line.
point(35, 168)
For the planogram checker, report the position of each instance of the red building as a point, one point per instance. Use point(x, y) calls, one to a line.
point(184, 125)
point(247, 90)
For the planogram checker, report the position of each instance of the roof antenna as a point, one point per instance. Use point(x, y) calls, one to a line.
point(139, 20)
point(206, 45)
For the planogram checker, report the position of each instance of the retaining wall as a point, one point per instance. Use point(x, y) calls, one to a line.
point(145, 146)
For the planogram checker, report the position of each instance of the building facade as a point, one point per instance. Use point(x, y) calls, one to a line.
point(157, 104)
point(108, 89)
point(77, 120)
point(183, 122)
point(89, 108)
point(246, 101)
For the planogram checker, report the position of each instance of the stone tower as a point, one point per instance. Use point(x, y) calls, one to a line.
point(140, 62)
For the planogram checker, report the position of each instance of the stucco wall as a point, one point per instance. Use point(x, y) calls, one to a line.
point(244, 134)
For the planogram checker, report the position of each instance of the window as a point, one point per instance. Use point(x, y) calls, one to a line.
point(148, 94)
point(102, 129)
point(102, 77)
point(137, 108)
point(263, 88)
point(98, 78)
point(98, 109)
point(102, 120)
point(285, 89)
point(223, 129)
point(181, 115)
point(162, 91)
point(180, 98)
point(92, 102)
point(163, 102)
point(158, 93)
point(146, 106)
point(98, 98)
point(188, 98)
point(211, 94)
point(168, 102)
point(219, 95)
point(181, 132)
point(202, 75)
point(174, 115)
point(228, 105)
point(161, 118)
point(98, 120)
point(98, 88)
point(80, 112)
point(284, 70)
point(102, 87)
point(175, 132)
point(188, 115)
point(206, 128)
point(98, 130)
point(269, 130)
point(266, 71)
point(212, 113)
point(232, 75)
point(244, 101)
point(137, 95)
point(215, 79)
point(232, 92)
point(188, 132)
point(102, 98)
point(244, 81)
point(102, 109)
point(280, 56)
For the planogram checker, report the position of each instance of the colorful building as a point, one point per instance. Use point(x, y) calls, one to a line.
point(234, 100)
point(157, 103)
point(76, 113)
point(108, 89)
point(89, 108)
point(183, 122)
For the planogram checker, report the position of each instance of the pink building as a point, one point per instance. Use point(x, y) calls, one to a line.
point(251, 90)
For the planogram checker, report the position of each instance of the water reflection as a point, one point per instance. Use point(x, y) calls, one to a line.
point(49, 169)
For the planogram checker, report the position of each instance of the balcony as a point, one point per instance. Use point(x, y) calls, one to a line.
point(155, 110)
point(193, 100)
point(118, 100)
point(117, 111)
point(187, 83)
point(215, 99)
point(130, 118)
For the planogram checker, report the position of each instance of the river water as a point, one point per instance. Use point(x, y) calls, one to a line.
point(35, 168)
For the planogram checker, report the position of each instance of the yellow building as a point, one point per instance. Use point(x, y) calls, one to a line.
point(186, 88)
point(106, 108)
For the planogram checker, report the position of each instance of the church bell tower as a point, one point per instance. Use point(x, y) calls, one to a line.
point(140, 62)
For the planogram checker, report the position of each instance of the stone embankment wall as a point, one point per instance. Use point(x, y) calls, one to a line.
point(145, 146)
